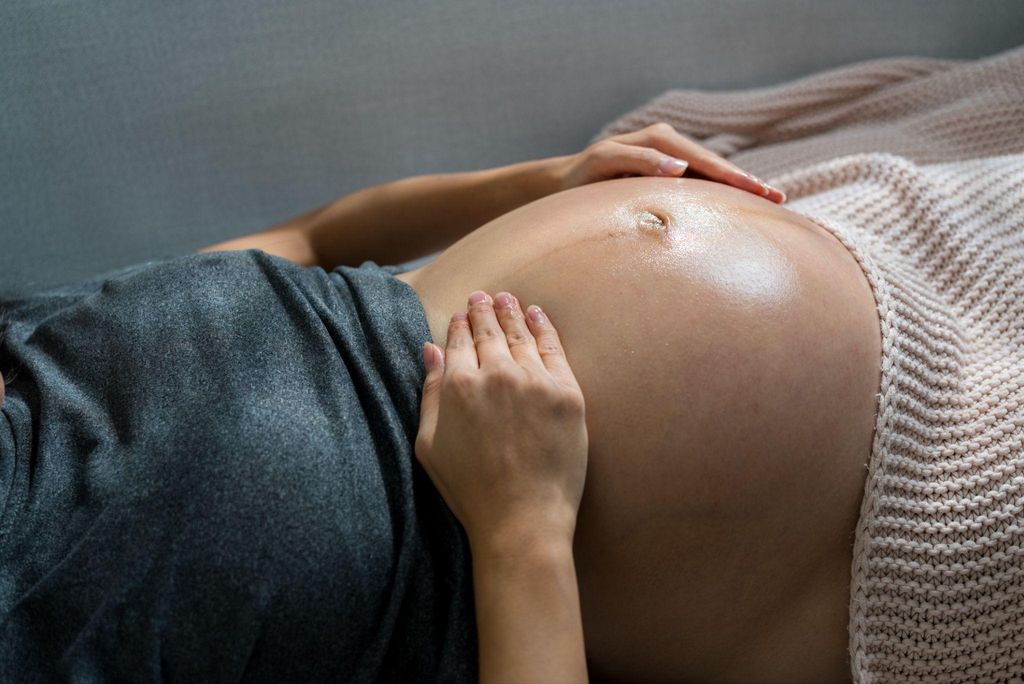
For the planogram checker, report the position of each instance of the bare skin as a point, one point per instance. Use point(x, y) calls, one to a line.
point(728, 350)
point(694, 563)
point(503, 437)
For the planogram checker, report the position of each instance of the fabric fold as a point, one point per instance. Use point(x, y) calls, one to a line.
point(209, 471)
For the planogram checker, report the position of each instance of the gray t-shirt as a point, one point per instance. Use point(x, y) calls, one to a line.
point(207, 474)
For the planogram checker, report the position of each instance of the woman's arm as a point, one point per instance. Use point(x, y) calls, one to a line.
point(404, 219)
point(503, 437)
point(529, 626)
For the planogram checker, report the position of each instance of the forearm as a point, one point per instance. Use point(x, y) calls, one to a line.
point(408, 218)
point(403, 219)
point(528, 616)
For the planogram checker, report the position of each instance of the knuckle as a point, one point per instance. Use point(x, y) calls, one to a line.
point(569, 404)
point(484, 333)
point(661, 128)
point(502, 377)
point(549, 344)
point(458, 341)
point(479, 308)
point(539, 389)
point(666, 135)
point(604, 149)
point(518, 337)
point(422, 447)
point(457, 325)
point(461, 382)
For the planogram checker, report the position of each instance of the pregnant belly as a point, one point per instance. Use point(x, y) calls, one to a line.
point(728, 350)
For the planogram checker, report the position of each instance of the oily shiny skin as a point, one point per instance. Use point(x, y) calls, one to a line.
point(728, 351)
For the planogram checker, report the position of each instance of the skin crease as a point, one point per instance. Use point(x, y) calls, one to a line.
point(728, 351)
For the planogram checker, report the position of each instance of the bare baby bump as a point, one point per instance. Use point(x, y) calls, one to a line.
point(728, 352)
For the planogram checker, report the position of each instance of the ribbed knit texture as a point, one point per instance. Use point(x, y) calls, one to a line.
point(916, 165)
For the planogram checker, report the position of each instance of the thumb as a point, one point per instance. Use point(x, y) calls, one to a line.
point(433, 359)
point(621, 158)
point(670, 166)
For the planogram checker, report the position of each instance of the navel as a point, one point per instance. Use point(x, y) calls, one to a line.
point(649, 220)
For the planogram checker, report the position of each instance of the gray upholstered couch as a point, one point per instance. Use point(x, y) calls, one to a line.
point(131, 131)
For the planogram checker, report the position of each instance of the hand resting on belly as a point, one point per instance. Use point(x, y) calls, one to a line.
point(728, 351)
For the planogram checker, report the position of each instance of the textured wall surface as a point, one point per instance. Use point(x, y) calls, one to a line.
point(130, 132)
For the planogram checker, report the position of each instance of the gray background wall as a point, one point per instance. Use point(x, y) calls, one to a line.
point(131, 131)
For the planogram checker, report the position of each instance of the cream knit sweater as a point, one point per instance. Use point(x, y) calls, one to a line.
point(917, 166)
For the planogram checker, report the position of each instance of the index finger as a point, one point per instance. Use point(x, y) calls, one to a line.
point(702, 160)
point(549, 346)
point(459, 350)
point(491, 345)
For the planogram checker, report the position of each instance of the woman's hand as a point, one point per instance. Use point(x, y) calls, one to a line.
point(657, 150)
point(503, 438)
point(502, 432)
point(408, 218)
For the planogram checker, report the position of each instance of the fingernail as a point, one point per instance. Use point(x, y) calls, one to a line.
point(536, 314)
point(672, 166)
point(478, 297)
point(503, 300)
point(460, 316)
point(780, 192)
point(757, 180)
point(428, 356)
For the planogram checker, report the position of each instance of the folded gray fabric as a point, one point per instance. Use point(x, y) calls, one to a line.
point(207, 474)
